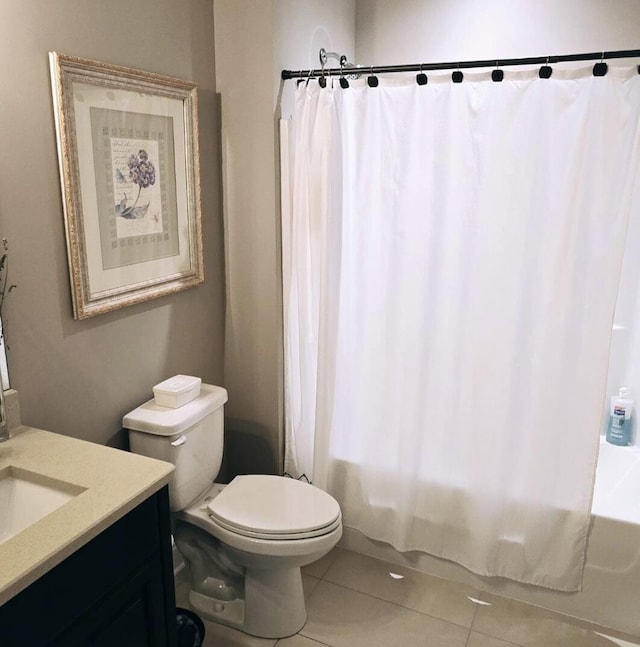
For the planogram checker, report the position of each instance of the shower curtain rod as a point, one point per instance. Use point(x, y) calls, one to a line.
point(425, 67)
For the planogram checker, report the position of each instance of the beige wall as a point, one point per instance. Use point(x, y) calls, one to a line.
point(80, 377)
point(244, 42)
point(254, 41)
point(413, 31)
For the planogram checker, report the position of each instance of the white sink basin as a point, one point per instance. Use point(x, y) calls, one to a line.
point(27, 497)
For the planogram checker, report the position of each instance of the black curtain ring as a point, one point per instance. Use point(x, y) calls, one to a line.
point(344, 83)
point(600, 69)
point(372, 80)
point(545, 71)
point(421, 77)
point(497, 75)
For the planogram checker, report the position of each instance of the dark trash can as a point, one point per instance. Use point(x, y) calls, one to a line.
point(190, 628)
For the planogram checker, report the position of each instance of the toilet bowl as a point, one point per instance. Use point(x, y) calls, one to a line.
point(243, 543)
point(269, 601)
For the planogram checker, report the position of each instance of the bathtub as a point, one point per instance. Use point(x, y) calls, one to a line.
point(610, 593)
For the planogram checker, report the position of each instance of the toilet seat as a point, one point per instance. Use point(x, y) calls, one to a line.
point(274, 508)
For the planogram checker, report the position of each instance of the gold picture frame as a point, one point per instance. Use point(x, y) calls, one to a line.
point(129, 170)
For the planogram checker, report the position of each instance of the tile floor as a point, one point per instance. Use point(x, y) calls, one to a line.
point(358, 601)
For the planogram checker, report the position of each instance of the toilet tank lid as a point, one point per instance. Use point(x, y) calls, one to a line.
point(164, 421)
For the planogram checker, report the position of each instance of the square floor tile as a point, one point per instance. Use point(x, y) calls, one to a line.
point(530, 626)
point(217, 635)
point(480, 640)
point(616, 641)
point(298, 641)
point(345, 618)
point(404, 586)
point(308, 585)
point(321, 566)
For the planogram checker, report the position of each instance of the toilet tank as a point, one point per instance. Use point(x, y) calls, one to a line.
point(191, 437)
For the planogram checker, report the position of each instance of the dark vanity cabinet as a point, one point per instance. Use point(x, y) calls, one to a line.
point(116, 591)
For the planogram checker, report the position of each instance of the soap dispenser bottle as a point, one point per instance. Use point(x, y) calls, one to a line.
point(619, 428)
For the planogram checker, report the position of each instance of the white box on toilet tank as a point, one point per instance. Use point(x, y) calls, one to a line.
point(177, 391)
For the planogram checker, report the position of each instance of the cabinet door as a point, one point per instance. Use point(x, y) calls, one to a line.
point(130, 616)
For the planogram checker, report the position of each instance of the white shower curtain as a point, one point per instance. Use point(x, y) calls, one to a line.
point(451, 257)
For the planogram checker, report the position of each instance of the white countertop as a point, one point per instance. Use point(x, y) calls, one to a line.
point(116, 482)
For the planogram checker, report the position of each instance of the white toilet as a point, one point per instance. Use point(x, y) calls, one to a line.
point(243, 543)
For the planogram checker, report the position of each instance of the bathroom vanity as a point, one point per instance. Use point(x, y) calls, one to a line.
point(97, 569)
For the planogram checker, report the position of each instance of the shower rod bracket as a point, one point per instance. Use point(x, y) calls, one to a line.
point(324, 56)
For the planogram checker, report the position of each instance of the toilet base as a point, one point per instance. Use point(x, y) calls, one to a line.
point(273, 607)
point(229, 613)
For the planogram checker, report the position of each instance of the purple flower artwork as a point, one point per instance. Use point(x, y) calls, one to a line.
point(142, 173)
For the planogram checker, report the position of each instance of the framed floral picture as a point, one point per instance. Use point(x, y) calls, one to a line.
point(129, 170)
